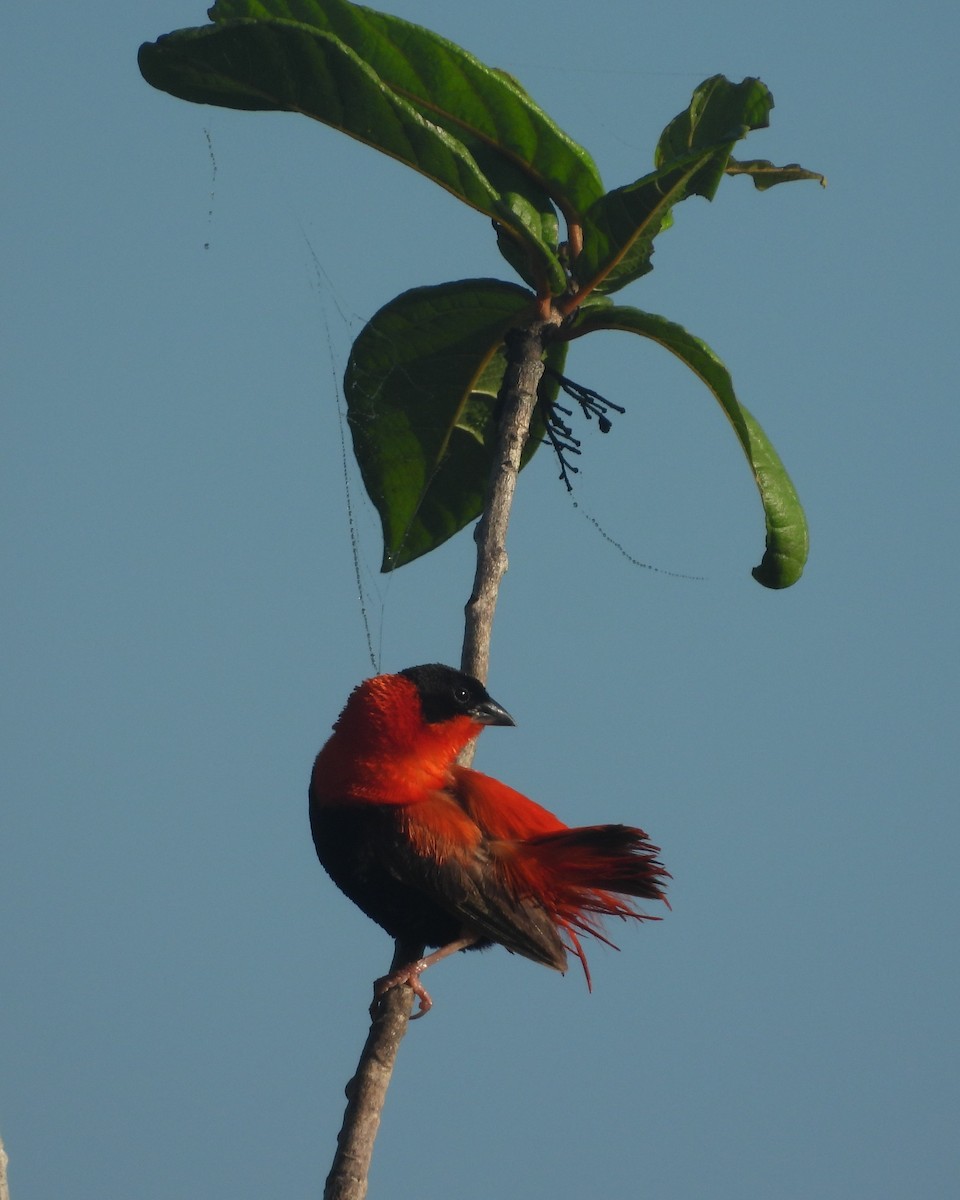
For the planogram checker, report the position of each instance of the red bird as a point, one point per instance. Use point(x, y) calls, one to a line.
point(440, 855)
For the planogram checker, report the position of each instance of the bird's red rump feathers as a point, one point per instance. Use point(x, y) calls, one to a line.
point(440, 855)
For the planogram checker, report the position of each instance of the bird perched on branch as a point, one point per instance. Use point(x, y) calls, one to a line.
point(443, 856)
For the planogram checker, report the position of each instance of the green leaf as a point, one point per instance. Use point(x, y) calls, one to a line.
point(274, 66)
point(691, 157)
point(421, 388)
point(528, 266)
point(535, 256)
point(451, 87)
point(765, 175)
point(720, 113)
point(787, 540)
point(618, 231)
point(277, 65)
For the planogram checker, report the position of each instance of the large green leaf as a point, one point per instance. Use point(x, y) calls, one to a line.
point(787, 540)
point(421, 388)
point(280, 65)
point(451, 87)
point(691, 158)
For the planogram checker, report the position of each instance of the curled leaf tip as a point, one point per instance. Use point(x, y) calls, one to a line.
point(778, 570)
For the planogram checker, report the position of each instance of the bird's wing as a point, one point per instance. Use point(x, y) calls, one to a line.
point(444, 854)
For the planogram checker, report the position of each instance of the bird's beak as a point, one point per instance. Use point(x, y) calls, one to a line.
point(489, 712)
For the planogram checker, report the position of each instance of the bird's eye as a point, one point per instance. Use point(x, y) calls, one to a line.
point(461, 695)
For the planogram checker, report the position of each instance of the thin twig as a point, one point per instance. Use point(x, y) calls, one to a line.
point(367, 1090)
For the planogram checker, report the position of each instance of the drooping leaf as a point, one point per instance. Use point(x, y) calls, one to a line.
point(765, 175)
point(787, 540)
point(421, 388)
point(451, 87)
point(280, 65)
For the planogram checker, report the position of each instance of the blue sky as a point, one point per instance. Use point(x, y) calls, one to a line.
point(184, 991)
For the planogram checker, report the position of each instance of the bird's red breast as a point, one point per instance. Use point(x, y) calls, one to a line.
point(383, 752)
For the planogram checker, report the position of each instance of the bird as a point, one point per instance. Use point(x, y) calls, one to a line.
point(443, 856)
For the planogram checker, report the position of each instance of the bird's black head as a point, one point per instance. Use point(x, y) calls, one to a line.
point(446, 693)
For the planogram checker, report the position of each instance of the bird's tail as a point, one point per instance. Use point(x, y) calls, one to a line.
point(587, 872)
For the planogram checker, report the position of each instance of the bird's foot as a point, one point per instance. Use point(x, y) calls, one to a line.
point(410, 976)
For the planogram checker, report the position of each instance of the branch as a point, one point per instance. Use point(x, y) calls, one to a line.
point(4, 1189)
point(367, 1090)
point(518, 399)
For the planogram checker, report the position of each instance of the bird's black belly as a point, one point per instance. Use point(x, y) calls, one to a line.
point(361, 851)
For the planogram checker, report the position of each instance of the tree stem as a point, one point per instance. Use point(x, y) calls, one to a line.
point(367, 1090)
